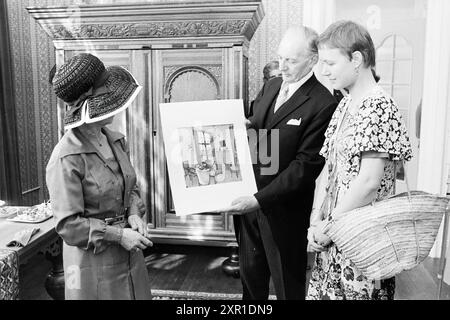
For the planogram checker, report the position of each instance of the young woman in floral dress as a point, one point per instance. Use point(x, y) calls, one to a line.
point(365, 140)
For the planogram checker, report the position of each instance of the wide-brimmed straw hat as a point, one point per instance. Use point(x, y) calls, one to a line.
point(91, 91)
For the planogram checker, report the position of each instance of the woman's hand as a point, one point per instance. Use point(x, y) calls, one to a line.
point(137, 224)
point(133, 241)
point(313, 245)
point(319, 236)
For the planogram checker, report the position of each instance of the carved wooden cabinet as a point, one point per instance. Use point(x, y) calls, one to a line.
point(180, 51)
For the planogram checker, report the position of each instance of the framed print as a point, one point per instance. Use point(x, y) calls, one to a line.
point(207, 152)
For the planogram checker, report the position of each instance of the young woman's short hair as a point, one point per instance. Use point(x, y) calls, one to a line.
point(349, 36)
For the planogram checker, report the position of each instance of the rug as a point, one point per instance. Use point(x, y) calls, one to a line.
point(190, 295)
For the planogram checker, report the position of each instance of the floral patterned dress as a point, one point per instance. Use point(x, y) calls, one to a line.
point(377, 126)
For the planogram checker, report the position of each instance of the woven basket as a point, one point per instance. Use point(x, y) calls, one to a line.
point(389, 236)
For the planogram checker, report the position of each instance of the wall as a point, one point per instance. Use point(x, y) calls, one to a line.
point(279, 15)
point(33, 57)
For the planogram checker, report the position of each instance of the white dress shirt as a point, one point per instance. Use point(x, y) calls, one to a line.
point(291, 88)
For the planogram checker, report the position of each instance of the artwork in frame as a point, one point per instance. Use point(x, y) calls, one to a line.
point(207, 152)
point(209, 155)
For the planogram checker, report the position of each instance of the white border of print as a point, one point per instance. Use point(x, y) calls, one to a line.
point(197, 114)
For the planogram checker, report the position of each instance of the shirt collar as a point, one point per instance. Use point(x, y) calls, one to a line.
point(296, 85)
point(76, 143)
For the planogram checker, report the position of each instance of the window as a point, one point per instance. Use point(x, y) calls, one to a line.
point(205, 141)
point(394, 66)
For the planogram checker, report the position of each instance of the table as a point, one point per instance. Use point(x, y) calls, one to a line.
point(40, 241)
point(45, 237)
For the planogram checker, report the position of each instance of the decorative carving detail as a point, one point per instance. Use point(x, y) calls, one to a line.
point(210, 87)
point(54, 249)
point(215, 70)
point(148, 30)
point(169, 71)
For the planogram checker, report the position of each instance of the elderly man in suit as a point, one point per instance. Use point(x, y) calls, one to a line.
point(291, 114)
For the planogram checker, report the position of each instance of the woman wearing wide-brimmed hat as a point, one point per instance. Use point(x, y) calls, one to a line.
point(92, 186)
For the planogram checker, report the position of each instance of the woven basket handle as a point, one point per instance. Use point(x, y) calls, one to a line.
point(417, 241)
point(408, 190)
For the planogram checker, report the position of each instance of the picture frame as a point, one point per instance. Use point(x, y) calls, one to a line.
point(207, 153)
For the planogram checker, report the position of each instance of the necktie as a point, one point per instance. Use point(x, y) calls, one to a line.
point(282, 97)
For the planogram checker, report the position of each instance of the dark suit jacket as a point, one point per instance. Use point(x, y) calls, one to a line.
point(286, 196)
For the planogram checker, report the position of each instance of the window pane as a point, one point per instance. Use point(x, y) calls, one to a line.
point(386, 50)
point(402, 96)
point(402, 48)
point(405, 117)
point(402, 72)
point(387, 88)
point(201, 137)
point(384, 70)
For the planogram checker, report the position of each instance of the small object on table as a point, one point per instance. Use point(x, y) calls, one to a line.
point(6, 212)
point(38, 243)
point(22, 237)
point(35, 214)
point(2, 203)
point(220, 177)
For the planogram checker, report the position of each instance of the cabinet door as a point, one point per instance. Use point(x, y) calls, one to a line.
point(186, 75)
point(134, 123)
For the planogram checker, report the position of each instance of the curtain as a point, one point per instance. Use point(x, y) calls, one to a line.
point(9, 170)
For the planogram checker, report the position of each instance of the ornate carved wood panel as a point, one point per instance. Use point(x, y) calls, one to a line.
point(187, 75)
point(192, 83)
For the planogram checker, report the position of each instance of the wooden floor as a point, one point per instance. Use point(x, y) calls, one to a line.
point(190, 268)
point(199, 269)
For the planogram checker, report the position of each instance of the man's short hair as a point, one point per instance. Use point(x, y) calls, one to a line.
point(349, 36)
point(311, 37)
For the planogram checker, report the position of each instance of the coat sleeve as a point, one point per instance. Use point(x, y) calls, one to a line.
point(137, 206)
point(64, 181)
point(256, 103)
point(304, 169)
